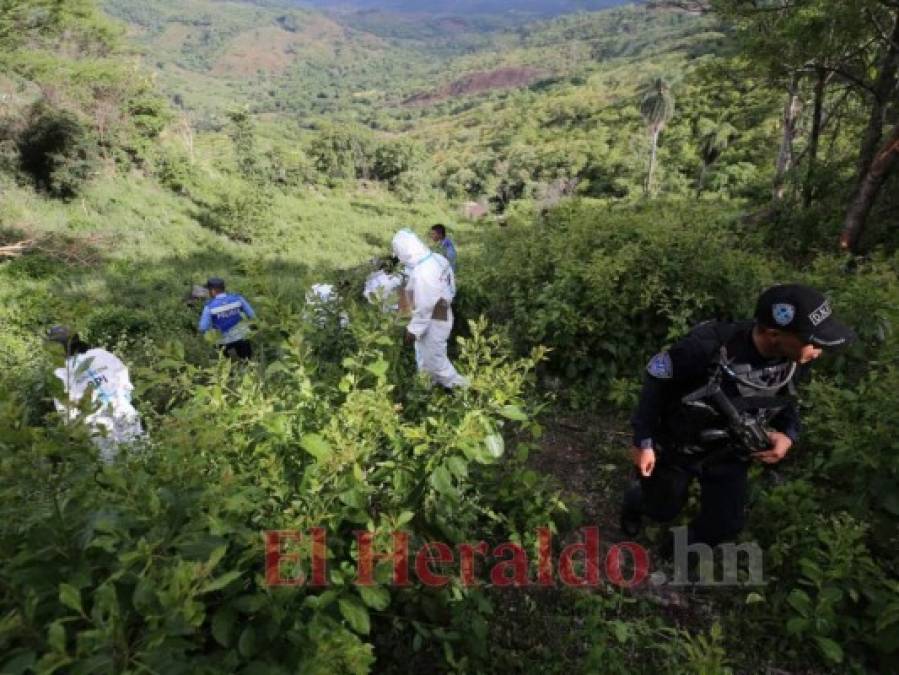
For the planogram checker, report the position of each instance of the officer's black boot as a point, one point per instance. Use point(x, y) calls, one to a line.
point(631, 511)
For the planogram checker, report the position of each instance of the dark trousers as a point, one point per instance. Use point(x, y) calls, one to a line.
point(723, 488)
point(239, 349)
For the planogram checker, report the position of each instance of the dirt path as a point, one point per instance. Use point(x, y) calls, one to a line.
point(586, 456)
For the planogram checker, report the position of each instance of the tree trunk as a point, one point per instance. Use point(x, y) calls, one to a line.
point(648, 188)
point(703, 172)
point(870, 184)
point(808, 192)
point(785, 156)
point(882, 90)
point(874, 165)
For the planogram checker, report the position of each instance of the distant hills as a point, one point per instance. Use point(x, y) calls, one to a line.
point(360, 58)
point(465, 7)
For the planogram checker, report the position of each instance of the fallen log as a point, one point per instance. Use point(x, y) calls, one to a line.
point(16, 249)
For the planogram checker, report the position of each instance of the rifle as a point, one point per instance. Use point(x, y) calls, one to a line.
point(747, 434)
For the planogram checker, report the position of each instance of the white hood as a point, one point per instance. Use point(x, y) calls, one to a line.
point(409, 248)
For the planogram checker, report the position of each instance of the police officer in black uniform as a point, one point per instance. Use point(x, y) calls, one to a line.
point(719, 398)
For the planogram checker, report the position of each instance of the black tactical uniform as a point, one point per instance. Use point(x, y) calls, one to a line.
point(675, 429)
point(687, 430)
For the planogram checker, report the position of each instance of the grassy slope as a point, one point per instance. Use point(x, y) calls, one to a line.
point(137, 223)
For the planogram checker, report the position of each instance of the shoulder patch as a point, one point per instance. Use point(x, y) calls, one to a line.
point(660, 366)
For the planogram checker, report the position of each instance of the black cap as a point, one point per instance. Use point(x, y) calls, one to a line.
point(215, 282)
point(802, 310)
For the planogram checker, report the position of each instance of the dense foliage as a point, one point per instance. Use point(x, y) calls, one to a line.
point(281, 147)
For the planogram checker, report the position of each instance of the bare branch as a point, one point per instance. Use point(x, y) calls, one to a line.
point(884, 35)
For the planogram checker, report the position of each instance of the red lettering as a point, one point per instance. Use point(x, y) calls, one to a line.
point(518, 565)
point(367, 559)
point(641, 564)
point(590, 549)
point(544, 557)
point(425, 557)
point(319, 557)
point(274, 554)
point(466, 556)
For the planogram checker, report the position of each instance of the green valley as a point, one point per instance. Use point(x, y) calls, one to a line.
point(612, 175)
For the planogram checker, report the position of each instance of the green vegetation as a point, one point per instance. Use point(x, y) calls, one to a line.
point(271, 145)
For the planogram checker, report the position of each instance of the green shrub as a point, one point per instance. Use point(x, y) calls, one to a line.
point(108, 324)
point(241, 211)
point(57, 151)
point(156, 562)
point(175, 171)
point(605, 288)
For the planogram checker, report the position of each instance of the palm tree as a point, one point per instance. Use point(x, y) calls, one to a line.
point(714, 137)
point(657, 109)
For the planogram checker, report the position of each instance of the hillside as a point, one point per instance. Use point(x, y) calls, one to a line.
point(464, 8)
point(611, 179)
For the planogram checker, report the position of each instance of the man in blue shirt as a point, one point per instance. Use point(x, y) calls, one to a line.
point(223, 313)
point(447, 248)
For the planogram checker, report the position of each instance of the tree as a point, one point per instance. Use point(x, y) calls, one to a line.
point(870, 183)
point(876, 159)
point(657, 109)
point(850, 43)
point(790, 43)
point(714, 137)
point(243, 139)
point(343, 152)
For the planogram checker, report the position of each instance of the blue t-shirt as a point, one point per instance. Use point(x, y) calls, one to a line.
point(449, 251)
point(223, 313)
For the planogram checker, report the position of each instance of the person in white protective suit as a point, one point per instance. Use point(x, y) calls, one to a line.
point(115, 421)
point(382, 288)
point(431, 286)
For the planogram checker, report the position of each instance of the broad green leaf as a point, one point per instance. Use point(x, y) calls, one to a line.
point(144, 596)
point(246, 645)
point(404, 517)
point(442, 481)
point(220, 582)
point(70, 597)
point(621, 630)
point(831, 650)
point(316, 446)
point(376, 597)
point(356, 614)
point(353, 498)
point(18, 664)
point(216, 556)
point(799, 601)
point(513, 412)
point(56, 637)
point(223, 625)
point(458, 466)
point(378, 368)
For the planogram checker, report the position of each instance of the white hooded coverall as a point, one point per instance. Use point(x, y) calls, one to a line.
point(107, 377)
point(431, 279)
